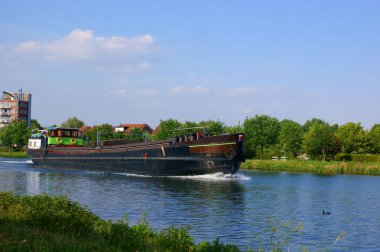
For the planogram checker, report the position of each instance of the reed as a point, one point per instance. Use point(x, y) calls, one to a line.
point(16, 154)
point(319, 167)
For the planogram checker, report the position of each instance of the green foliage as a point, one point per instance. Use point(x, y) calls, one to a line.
point(234, 129)
point(54, 214)
point(353, 138)
point(166, 129)
point(15, 135)
point(18, 154)
point(216, 246)
point(291, 137)
point(261, 131)
point(188, 125)
point(73, 122)
point(311, 122)
point(170, 128)
point(137, 134)
point(105, 132)
point(213, 127)
point(34, 124)
point(343, 157)
point(357, 157)
point(319, 141)
point(45, 223)
point(374, 135)
point(311, 166)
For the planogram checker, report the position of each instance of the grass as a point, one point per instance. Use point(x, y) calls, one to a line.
point(15, 154)
point(45, 223)
point(319, 167)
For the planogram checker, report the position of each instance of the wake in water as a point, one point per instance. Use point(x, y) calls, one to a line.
point(219, 176)
point(134, 175)
point(17, 162)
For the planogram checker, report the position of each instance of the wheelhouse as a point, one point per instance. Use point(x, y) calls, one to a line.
point(65, 136)
point(65, 132)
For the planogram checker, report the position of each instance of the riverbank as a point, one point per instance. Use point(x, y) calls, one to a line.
point(15, 154)
point(319, 167)
point(46, 223)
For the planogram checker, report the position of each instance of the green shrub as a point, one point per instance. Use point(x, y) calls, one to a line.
point(357, 157)
point(365, 158)
point(343, 157)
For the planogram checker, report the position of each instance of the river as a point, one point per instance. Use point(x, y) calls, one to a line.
point(247, 209)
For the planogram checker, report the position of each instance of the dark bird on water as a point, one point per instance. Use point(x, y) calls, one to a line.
point(325, 213)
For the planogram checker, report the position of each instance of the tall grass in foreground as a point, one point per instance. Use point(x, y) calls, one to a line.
point(320, 167)
point(45, 223)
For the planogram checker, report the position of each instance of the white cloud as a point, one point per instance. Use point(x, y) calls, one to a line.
point(83, 44)
point(242, 91)
point(189, 90)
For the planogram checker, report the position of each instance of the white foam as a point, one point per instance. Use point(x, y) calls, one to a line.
point(134, 175)
point(219, 176)
point(17, 162)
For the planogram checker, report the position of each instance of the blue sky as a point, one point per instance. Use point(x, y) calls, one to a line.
point(142, 61)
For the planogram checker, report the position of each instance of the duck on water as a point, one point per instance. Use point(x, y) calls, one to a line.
point(194, 154)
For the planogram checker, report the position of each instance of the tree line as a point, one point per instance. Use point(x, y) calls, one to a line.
point(265, 136)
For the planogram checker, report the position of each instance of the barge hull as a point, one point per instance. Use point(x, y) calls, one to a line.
point(155, 159)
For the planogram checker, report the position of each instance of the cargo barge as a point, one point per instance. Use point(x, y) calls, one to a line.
point(194, 154)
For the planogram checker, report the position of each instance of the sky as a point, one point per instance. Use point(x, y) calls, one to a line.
point(144, 61)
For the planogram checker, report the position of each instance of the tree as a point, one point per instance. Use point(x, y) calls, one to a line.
point(353, 138)
point(187, 125)
point(291, 137)
point(234, 129)
point(6, 135)
point(213, 127)
point(319, 141)
point(20, 135)
point(105, 132)
point(311, 122)
point(34, 124)
point(375, 138)
point(15, 135)
point(137, 134)
point(73, 122)
point(166, 129)
point(261, 131)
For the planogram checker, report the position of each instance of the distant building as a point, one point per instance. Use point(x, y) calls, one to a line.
point(16, 106)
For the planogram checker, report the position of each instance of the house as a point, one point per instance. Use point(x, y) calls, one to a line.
point(126, 128)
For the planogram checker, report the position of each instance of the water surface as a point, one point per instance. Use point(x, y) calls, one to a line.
point(242, 209)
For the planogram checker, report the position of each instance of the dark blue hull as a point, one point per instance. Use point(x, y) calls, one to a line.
point(157, 159)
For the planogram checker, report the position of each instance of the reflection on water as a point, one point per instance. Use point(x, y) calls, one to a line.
point(33, 183)
point(238, 209)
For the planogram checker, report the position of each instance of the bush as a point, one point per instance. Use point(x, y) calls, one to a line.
point(357, 157)
point(343, 157)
